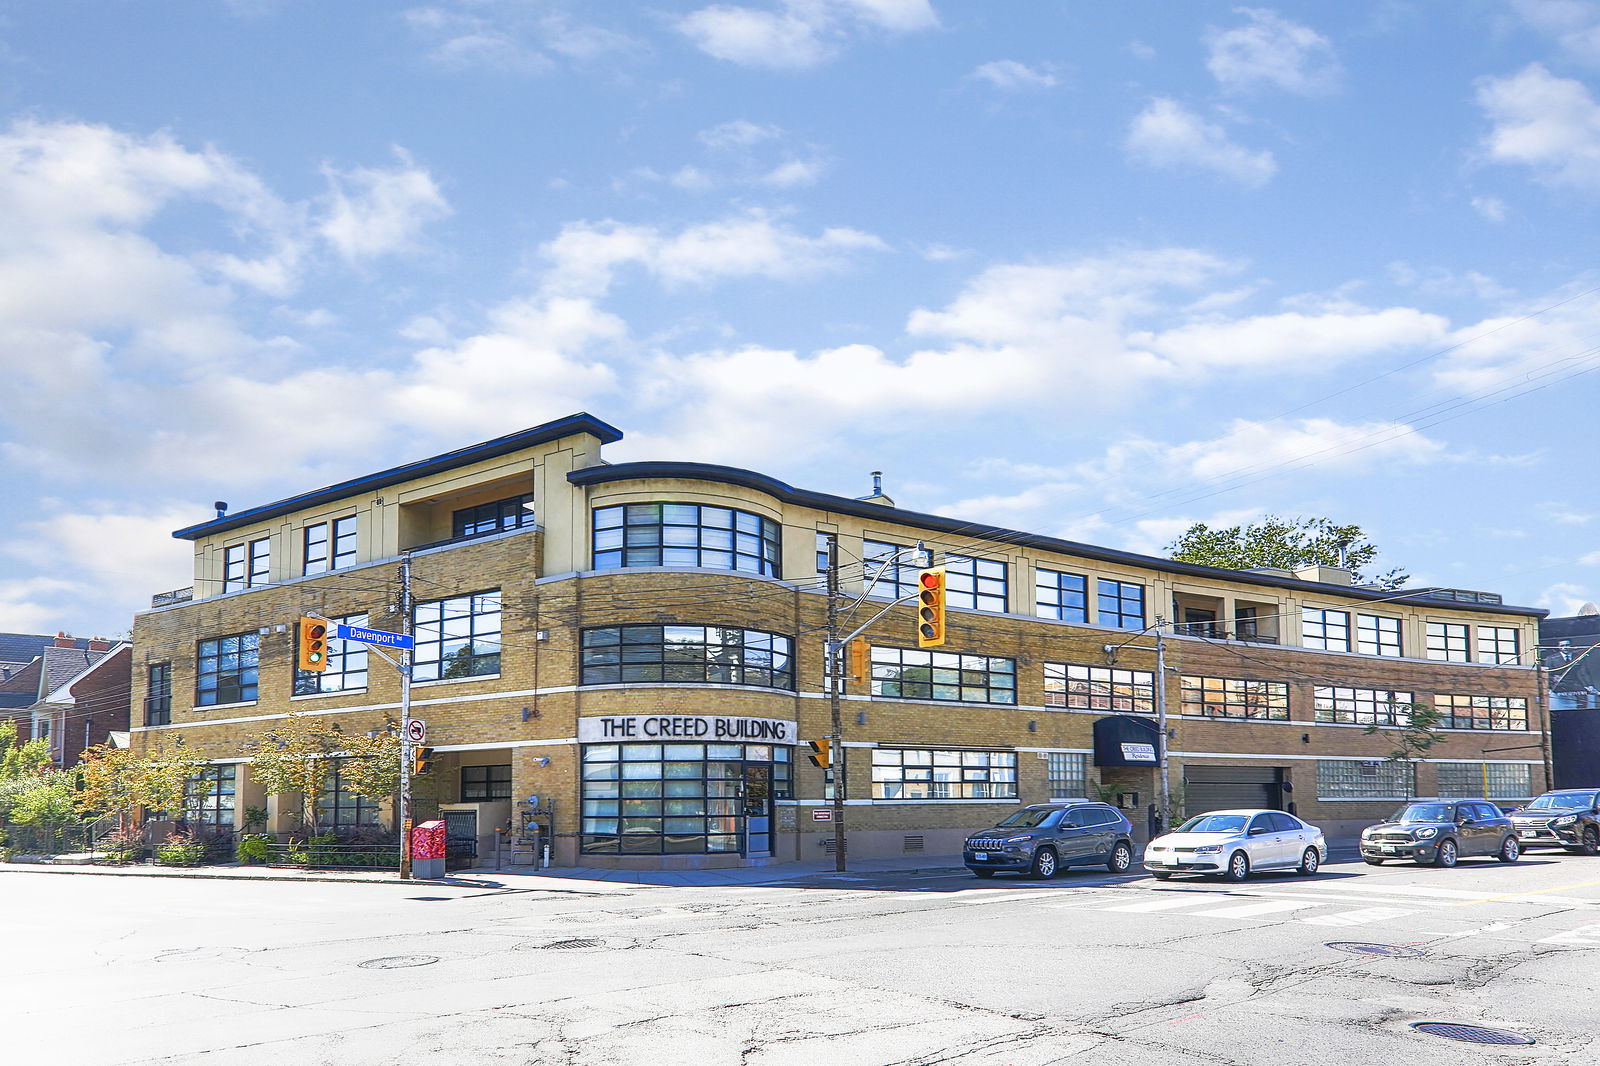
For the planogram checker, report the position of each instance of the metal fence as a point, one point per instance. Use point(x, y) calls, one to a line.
point(48, 840)
point(333, 856)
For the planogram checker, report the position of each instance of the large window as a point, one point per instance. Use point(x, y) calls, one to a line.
point(458, 637)
point(158, 694)
point(905, 673)
point(340, 808)
point(979, 584)
point(209, 798)
point(1068, 774)
point(1227, 697)
point(1361, 706)
point(1489, 780)
point(920, 774)
point(654, 799)
point(1121, 604)
point(515, 512)
point(1328, 630)
point(895, 580)
point(1482, 712)
point(330, 545)
point(688, 654)
point(1363, 779)
point(1377, 634)
point(347, 665)
point(226, 670)
point(246, 566)
point(1098, 688)
point(1498, 644)
point(685, 534)
point(482, 783)
point(1447, 641)
point(1061, 595)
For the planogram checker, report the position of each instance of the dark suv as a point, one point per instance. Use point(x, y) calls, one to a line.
point(1439, 831)
point(1044, 838)
point(1567, 818)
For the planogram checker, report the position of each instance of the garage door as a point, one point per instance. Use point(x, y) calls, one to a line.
point(1214, 788)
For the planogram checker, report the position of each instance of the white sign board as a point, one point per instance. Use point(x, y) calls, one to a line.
point(416, 730)
point(706, 728)
point(1139, 752)
point(820, 814)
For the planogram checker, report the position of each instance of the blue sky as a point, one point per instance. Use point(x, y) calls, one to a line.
point(1086, 269)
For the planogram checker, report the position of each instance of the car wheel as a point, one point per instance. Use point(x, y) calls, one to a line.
point(1161, 875)
point(1374, 862)
point(1591, 841)
point(1238, 867)
point(1446, 855)
point(1044, 863)
point(983, 875)
point(1121, 858)
point(1510, 851)
point(1310, 862)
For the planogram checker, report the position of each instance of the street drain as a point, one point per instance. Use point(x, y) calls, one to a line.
point(1385, 951)
point(398, 962)
point(569, 945)
point(1472, 1034)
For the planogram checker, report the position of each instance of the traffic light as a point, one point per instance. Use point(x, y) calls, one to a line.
point(311, 644)
point(860, 652)
point(422, 760)
point(930, 608)
point(821, 755)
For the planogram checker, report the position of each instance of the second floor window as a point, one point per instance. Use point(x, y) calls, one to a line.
point(1227, 697)
point(1328, 630)
point(457, 637)
point(1361, 706)
point(330, 545)
point(347, 665)
point(516, 512)
point(1482, 712)
point(912, 674)
point(226, 670)
point(1121, 604)
point(685, 534)
point(1061, 596)
point(1447, 642)
point(979, 584)
point(689, 654)
point(1098, 688)
point(1377, 634)
point(158, 694)
point(1498, 644)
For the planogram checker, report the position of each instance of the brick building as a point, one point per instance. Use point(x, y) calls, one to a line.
point(639, 646)
point(80, 692)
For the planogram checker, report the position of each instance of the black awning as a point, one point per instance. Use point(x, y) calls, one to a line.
point(1126, 740)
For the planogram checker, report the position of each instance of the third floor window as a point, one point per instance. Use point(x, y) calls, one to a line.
point(1327, 630)
point(686, 534)
point(979, 584)
point(1447, 642)
point(330, 545)
point(515, 512)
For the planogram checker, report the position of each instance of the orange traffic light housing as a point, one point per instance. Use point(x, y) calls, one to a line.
point(860, 666)
point(821, 753)
point(422, 761)
point(930, 608)
point(311, 644)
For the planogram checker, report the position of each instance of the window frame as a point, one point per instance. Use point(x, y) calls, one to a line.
point(1509, 710)
point(495, 516)
point(978, 772)
point(971, 583)
point(158, 694)
point(488, 789)
point(245, 677)
point(1370, 637)
point(1116, 593)
point(748, 536)
point(1089, 687)
point(1062, 769)
point(338, 799)
point(346, 659)
point(940, 664)
point(1342, 779)
point(1328, 630)
point(217, 799)
point(1443, 644)
point(1058, 606)
point(1266, 700)
point(1492, 641)
point(887, 578)
point(430, 633)
point(596, 666)
point(1362, 706)
point(1493, 780)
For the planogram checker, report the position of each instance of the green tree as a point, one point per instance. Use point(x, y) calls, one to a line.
point(1414, 733)
point(31, 788)
point(1285, 543)
point(121, 781)
point(295, 758)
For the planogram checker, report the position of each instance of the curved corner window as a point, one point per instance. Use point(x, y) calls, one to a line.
point(685, 534)
point(688, 654)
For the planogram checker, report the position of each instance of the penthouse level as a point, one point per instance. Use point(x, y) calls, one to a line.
point(563, 602)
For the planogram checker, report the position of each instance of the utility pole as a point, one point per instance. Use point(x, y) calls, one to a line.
point(404, 812)
point(831, 664)
point(1163, 811)
point(1543, 701)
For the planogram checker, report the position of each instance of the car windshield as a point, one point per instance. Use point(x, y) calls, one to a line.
point(1027, 818)
point(1214, 823)
point(1562, 801)
point(1424, 812)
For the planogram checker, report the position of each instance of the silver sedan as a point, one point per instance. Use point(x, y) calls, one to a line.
point(1232, 844)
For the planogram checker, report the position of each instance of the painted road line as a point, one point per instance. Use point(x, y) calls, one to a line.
point(1399, 890)
point(1251, 910)
point(994, 895)
point(1361, 917)
point(1545, 892)
point(1195, 899)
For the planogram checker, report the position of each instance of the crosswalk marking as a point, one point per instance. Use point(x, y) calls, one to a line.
point(1193, 899)
point(1250, 910)
point(1359, 917)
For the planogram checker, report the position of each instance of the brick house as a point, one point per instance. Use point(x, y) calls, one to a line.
point(82, 694)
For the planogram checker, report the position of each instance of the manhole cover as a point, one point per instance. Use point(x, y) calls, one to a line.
point(398, 962)
point(1386, 951)
point(569, 945)
point(1472, 1034)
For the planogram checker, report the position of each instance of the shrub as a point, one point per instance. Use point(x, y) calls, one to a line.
point(254, 848)
point(180, 849)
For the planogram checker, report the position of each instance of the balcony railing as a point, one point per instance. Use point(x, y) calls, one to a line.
point(167, 599)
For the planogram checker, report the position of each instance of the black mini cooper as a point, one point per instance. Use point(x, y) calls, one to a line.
point(1437, 832)
point(1047, 837)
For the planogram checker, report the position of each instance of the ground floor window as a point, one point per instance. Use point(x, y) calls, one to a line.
point(1490, 780)
point(658, 799)
point(1363, 779)
point(209, 798)
point(1069, 774)
point(920, 773)
point(481, 783)
point(340, 808)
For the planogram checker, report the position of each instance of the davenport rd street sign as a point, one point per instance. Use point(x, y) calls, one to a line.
point(712, 729)
point(381, 637)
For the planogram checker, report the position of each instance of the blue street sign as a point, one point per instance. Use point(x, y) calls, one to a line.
point(372, 636)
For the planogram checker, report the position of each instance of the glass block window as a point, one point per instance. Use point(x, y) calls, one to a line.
point(1498, 644)
point(1227, 697)
point(1328, 630)
point(687, 654)
point(1363, 779)
point(457, 637)
point(347, 664)
point(158, 694)
point(906, 673)
point(227, 669)
point(1098, 688)
point(894, 579)
point(1061, 595)
point(1121, 604)
point(1067, 774)
point(1447, 642)
point(685, 534)
point(918, 774)
point(1361, 706)
point(978, 584)
point(209, 798)
point(1488, 780)
point(482, 783)
point(1377, 634)
point(340, 808)
point(1482, 712)
point(514, 512)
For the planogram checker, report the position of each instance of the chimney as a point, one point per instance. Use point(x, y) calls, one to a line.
point(64, 641)
point(99, 644)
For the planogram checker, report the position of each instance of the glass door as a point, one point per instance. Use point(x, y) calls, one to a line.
point(758, 808)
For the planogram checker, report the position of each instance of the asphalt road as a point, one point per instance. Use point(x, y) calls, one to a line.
point(903, 969)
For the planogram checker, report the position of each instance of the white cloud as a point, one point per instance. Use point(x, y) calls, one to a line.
point(1564, 599)
point(1544, 122)
point(794, 173)
point(1531, 344)
point(1293, 342)
point(745, 153)
point(1167, 135)
point(372, 212)
point(1012, 76)
point(1574, 24)
point(509, 36)
point(1269, 50)
point(739, 133)
point(801, 33)
point(1490, 207)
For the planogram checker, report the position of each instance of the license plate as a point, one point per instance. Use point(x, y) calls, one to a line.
point(980, 856)
point(1531, 834)
point(1389, 849)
